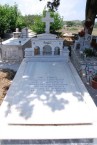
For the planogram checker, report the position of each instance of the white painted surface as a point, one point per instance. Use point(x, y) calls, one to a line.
point(45, 40)
point(48, 132)
point(15, 41)
point(47, 93)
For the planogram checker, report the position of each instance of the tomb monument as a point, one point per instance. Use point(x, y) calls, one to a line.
point(47, 45)
point(47, 99)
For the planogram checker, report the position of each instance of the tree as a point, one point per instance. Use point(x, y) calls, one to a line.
point(10, 18)
point(29, 20)
point(70, 23)
point(3, 20)
point(91, 11)
point(57, 24)
point(53, 6)
point(20, 23)
point(39, 26)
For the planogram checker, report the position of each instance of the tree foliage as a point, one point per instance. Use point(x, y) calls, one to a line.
point(53, 6)
point(58, 22)
point(29, 20)
point(70, 23)
point(10, 18)
point(39, 26)
point(20, 23)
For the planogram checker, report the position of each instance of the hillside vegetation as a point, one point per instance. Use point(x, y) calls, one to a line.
point(75, 26)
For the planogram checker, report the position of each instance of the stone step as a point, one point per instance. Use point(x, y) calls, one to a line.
point(49, 142)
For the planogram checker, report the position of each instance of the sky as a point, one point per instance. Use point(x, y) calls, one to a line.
point(68, 9)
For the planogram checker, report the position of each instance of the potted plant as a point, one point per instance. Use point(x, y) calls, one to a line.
point(94, 82)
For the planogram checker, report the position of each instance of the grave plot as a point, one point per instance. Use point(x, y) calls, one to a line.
point(48, 93)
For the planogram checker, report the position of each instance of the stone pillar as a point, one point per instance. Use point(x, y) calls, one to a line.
point(52, 51)
point(61, 51)
point(41, 51)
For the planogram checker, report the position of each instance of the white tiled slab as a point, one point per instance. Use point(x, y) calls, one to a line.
point(15, 41)
point(48, 93)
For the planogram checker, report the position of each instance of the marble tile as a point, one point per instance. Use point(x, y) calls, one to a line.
point(39, 100)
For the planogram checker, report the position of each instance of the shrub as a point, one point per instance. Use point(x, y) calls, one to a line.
point(89, 52)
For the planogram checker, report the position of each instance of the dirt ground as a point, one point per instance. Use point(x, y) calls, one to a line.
point(6, 77)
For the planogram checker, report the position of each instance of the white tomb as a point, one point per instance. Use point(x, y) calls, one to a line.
point(47, 45)
point(13, 48)
point(47, 100)
point(83, 42)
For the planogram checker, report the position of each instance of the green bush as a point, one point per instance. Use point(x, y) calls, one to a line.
point(89, 52)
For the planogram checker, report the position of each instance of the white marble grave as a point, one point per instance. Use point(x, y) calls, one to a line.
point(46, 90)
point(47, 97)
point(47, 93)
point(46, 44)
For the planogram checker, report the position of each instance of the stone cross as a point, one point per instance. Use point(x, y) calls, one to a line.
point(47, 20)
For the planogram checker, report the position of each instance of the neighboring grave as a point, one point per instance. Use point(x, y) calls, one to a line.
point(83, 42)
point(16, 34)
point(87, 41)
point(13, 48)
point(24, 33)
